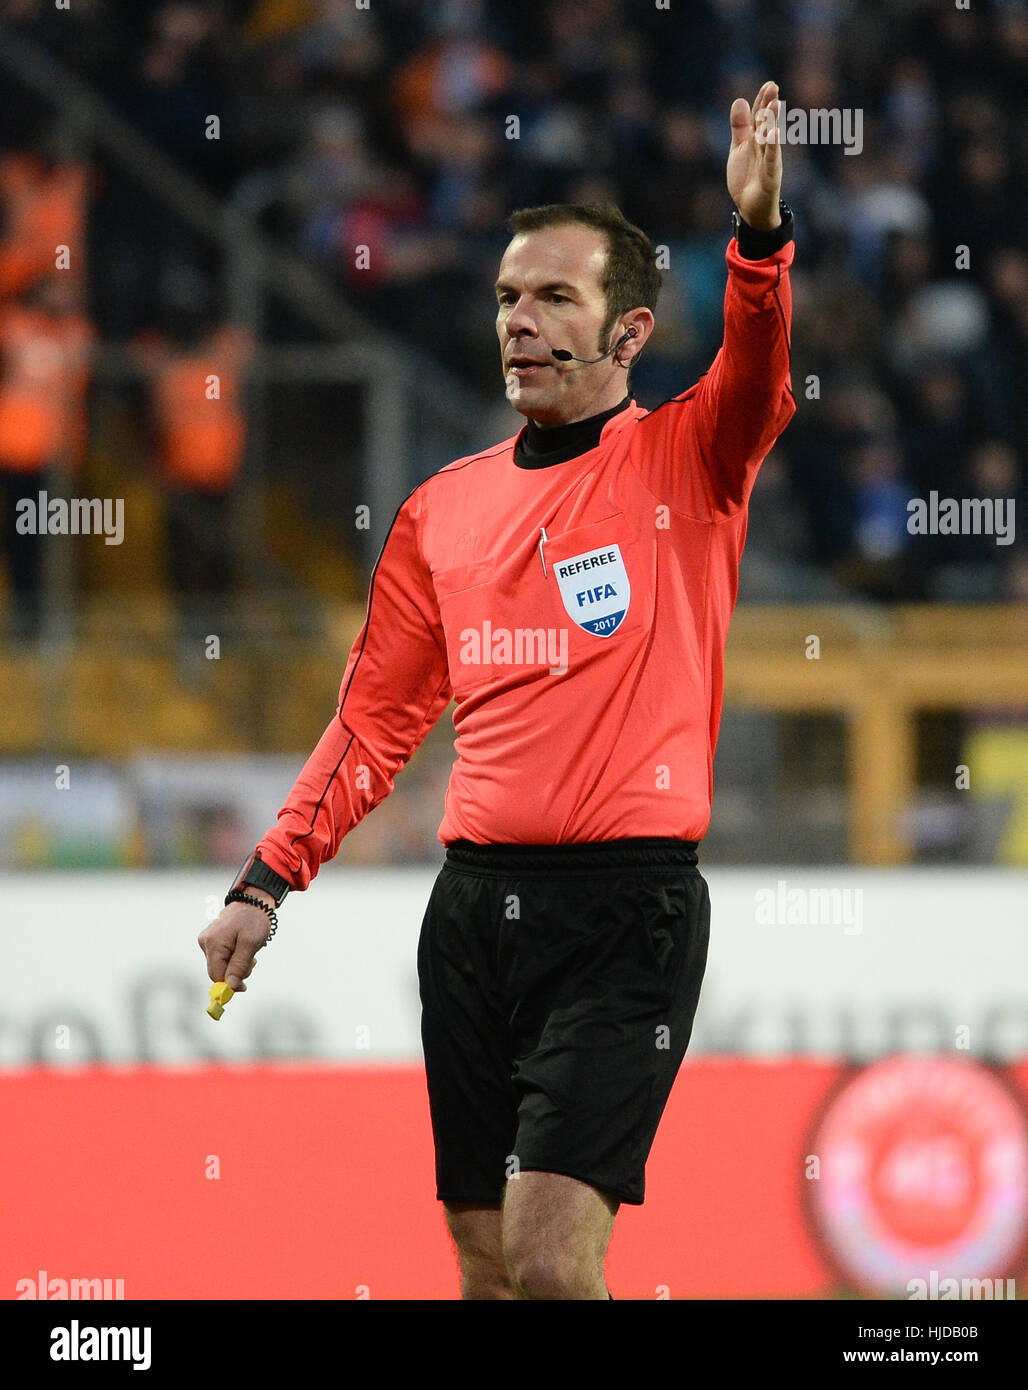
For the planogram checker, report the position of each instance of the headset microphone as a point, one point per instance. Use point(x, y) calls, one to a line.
point(563, 355)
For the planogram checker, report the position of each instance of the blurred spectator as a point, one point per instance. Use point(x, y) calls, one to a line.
point(194, 370)
point(880, 565)
point(45, 343)
point(178, 81)
point(43, 207)
point(333, 170)
point(457, 72)
point(995, 472)
point(938, 427)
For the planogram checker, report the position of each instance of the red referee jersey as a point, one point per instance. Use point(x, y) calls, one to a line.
point(577, 614)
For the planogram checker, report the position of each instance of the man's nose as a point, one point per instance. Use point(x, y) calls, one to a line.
point(521, 322)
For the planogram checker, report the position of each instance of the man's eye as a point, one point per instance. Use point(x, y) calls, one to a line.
point(507, 298)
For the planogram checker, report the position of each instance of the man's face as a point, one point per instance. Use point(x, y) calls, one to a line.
point(549, 294)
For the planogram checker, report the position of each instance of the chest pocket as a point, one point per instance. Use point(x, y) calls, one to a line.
point(463, 595)
point(600, 579)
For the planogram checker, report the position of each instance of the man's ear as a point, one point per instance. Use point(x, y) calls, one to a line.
point(642, 321)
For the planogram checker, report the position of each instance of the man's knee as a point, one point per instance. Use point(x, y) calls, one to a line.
point(484, 1280)
point(555, 1235)
point(553, 1274)
point(477, 1235)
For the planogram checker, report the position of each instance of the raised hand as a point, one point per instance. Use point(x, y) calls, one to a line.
point(754, 171)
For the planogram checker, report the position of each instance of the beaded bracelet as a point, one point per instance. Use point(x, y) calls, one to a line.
point(238, 896)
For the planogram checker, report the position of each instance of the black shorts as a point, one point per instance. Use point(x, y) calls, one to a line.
point(558, 987)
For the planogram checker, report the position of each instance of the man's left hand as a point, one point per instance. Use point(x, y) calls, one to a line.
point(755, 159)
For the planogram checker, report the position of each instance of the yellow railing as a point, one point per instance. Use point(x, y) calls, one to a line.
point(877, 668)
point(122, 688)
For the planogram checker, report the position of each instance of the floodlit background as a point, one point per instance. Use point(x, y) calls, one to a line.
point(304, 199)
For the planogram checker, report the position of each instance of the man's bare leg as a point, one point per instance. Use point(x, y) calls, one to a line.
point(555, 1233)
point(476, 1231)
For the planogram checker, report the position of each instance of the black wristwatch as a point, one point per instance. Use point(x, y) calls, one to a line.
point(754, 245)
point(256, 874)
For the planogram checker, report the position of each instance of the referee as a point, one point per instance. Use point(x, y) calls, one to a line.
point(571, 588)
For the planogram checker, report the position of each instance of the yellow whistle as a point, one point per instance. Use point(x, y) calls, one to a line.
point(221, 993)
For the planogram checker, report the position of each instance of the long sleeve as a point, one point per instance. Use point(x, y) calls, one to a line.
point(395, 686)
point(713, 438)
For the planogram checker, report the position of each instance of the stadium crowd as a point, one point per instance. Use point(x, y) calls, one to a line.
point(413, 128)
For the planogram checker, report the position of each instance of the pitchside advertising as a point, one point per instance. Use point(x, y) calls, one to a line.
point(110, 959)
point(913, 1179)
point(916, 1180)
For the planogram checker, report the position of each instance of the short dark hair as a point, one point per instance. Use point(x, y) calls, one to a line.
point(631, 279)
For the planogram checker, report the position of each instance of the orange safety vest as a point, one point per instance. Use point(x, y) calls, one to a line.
point(203, 436)
point(41, 212)
point(42, 389)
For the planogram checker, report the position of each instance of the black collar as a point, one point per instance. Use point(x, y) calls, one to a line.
point(539, 448)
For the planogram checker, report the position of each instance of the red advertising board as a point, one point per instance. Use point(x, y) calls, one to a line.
point(303, 1182)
